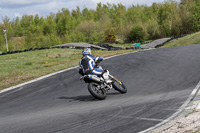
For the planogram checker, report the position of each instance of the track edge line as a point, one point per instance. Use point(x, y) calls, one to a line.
point(189, 99)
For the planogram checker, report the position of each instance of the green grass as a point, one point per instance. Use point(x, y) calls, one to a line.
point(22, 67)
point(187, 40)
point(120, 45)
point(124, 45)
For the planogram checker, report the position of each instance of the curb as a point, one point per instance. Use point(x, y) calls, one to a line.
point(190, 98)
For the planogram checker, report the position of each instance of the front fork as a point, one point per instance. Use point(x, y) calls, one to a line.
point(115, 79)
point(109, 86)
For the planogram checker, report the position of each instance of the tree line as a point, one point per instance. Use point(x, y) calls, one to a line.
point(136, 23)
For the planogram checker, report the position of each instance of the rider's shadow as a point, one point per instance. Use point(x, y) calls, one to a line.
point(85, 98)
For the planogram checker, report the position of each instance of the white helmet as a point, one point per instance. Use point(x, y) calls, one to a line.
point(86, 51)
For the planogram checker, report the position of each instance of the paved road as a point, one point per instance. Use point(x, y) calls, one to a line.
point(154, 43)
point(158, 81)
point(83, 45)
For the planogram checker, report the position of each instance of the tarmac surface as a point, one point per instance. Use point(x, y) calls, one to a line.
point(154, 43)
point(83, 45)
point(158, 81)
point(186, 122)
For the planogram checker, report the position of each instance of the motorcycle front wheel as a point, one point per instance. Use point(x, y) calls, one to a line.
point(119, 87)
point(96, 91)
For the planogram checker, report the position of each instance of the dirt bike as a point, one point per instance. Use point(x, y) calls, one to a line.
point(98, 86)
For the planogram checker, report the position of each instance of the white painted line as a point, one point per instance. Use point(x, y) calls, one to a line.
point(195, 89)
point(46, 76)
point(13, 87)
point(149, 119)
point(198, 107)
point(194, 92)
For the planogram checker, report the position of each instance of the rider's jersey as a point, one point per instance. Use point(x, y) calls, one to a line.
point(88, 65)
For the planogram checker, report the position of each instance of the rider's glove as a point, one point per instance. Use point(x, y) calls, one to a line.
point(98, 59)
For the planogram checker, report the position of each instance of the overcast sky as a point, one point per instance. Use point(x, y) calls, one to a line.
point(13, 8)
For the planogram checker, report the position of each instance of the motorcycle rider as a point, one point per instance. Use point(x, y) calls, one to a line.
point(88, 65)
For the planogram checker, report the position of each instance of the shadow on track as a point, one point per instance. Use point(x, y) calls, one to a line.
point(85, 98)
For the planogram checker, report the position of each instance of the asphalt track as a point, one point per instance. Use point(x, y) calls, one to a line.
point(154, 43)
point(159, 81)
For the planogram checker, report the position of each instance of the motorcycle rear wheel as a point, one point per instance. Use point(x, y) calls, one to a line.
point(96, 91)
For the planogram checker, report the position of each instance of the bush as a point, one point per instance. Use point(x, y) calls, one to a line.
point(136, 34)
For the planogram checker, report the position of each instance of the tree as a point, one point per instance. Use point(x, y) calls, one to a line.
point(87, 28)
point(186, 7)
point(196, 15)
point(17, 28)
point(49, 26)
point(136, 34)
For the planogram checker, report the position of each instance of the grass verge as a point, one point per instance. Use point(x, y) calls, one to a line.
point(22, 67)
point(187, 40)
point(120, 45)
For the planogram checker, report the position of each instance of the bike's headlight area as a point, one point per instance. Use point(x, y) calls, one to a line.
point(105, 75)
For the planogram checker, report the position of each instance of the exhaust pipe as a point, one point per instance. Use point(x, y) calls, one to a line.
point(94, 77)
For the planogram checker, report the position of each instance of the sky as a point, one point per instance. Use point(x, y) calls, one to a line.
point(14, 8)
